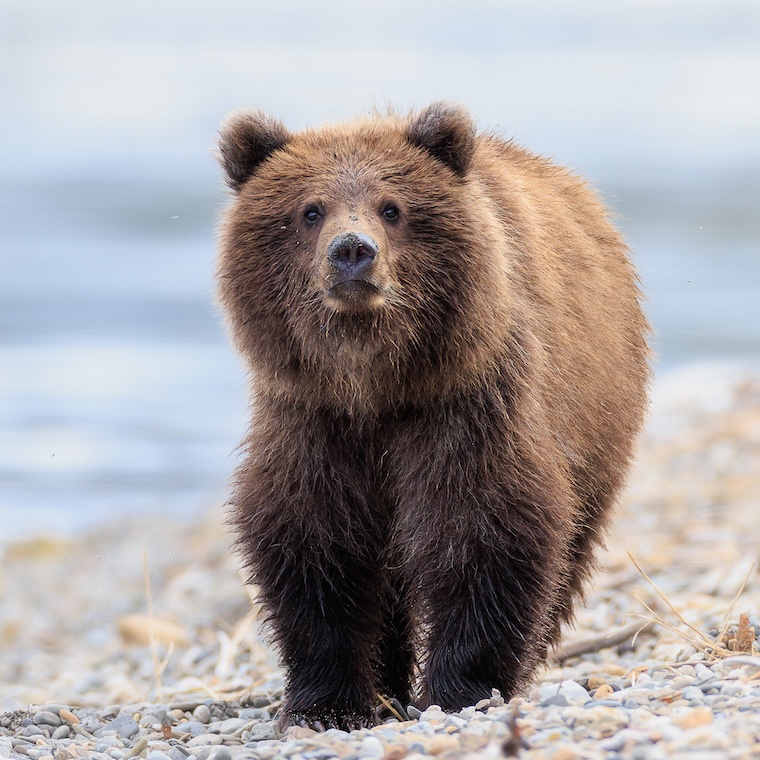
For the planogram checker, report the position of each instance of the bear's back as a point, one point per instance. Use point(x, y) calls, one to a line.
point(576, 296)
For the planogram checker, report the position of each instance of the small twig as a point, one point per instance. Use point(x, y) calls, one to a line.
point(702, 643)
point(157, 670)
point(730, 610)
point(388, 704)
point(667, 601)
point(516, 741)
point(165, 661)
point(229, 645)
point(626, 634)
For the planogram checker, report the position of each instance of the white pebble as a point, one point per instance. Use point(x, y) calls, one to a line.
point(204, 740)
point(371, 746)
point(231, 725)
point(571, 690)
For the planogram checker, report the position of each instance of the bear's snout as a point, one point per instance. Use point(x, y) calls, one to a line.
point(352, 255)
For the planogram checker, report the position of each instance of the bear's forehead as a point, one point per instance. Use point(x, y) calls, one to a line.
point(351, 156)
point(376, 135)
point(369, 162)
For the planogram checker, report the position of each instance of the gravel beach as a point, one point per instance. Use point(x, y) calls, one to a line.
point(138, 639)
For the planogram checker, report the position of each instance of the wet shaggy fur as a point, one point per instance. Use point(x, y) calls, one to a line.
point(448, 368)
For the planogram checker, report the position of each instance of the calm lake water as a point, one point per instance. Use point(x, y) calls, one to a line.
point(118, 391)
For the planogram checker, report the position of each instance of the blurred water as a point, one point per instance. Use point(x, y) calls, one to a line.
point(118, 391)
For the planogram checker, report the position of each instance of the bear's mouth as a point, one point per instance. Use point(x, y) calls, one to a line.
point(354, 295)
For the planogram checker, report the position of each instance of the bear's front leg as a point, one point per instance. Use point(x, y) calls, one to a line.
point(487, 616)
point(323, 621)
point(484, 529)
point(309, 528)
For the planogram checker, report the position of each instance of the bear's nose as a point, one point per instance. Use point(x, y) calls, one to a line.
point(352, 253)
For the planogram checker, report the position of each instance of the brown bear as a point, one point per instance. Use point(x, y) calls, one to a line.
point(449, 368)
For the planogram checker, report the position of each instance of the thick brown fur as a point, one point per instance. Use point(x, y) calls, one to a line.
point(449, 370)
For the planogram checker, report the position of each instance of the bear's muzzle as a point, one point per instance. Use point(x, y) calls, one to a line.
point(352, 255)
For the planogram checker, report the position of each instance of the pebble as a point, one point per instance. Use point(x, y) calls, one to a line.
point(204, 739)
point(123, 725)
point(138, 747)
point(47, 718)
point(603, 691)
point(254, 713)
point(62, 732)
point(261, 732)
point(601, 722)
point(692, 694)
point(231, 725)
point(572, 692)
point(68, 716)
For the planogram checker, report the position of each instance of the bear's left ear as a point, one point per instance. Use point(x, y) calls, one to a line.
point(247, 137)
point(447, 132)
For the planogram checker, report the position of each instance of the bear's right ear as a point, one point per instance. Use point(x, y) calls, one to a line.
point(447, 132)
point(247, 137)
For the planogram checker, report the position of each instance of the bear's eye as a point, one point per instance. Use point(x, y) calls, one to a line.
point(312, 214)
point(391, 211)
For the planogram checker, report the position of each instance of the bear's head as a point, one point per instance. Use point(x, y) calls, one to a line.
point(354, 250)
